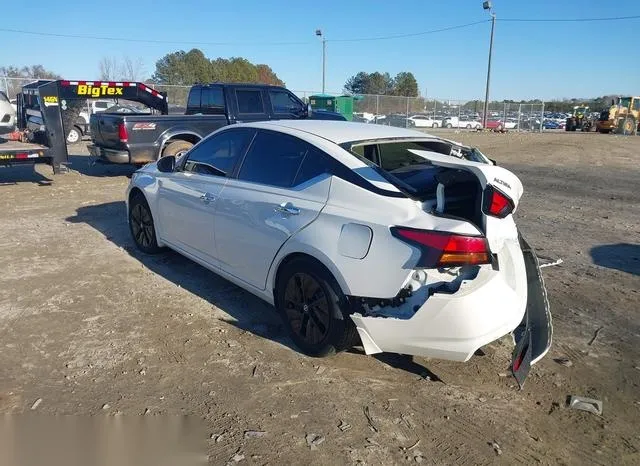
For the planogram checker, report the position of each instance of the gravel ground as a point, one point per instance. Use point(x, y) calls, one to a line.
point(88, 325)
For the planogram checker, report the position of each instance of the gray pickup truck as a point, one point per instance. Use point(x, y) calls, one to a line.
point(141, 138)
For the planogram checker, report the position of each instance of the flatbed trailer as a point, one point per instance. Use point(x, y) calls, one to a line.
point(57, 102)
point(17, 153)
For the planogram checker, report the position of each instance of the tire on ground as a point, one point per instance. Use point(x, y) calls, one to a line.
point(176, 148)
point(341, 334)
point(74, 136)
point(139, 217)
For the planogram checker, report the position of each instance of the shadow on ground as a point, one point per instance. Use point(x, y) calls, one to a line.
point(621, 256)
point(15, 174)
point(247, 312)
point(89, 166)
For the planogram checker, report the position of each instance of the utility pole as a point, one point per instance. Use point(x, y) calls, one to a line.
point(487, 6)
point(324, 57)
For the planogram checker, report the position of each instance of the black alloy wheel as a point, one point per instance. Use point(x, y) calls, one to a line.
point(307, 308)
point(141, 226)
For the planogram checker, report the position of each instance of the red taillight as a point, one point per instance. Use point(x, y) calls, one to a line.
point(441, 249)
point(122, 133)
point(496, 203)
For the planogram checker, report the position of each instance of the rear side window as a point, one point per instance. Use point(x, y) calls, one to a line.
point(213, 100)
point(273, 159)
point(219, 154)
point(249, 101)
point(194, 98)
point(315, 163)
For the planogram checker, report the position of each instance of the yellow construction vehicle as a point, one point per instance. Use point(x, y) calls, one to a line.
point(623, 117)
point(579, 119)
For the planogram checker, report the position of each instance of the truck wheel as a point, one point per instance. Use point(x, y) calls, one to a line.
point(449, 125)
point(176, 148)
point(74, 136)
point(468, 126)
point(434, 125)
point(628, 126)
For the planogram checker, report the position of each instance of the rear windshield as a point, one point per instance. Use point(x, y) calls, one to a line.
point(412, 174)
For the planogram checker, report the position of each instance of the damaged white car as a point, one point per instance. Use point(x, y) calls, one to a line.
point(404, 239)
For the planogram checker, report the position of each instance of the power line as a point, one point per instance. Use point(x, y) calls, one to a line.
point(567, 20)
point(414, 34)
point(149, 41)
point(359, 39)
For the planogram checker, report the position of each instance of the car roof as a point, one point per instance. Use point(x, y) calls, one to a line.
point(340, 132)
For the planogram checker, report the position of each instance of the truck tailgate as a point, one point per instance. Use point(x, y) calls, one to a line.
point(104, 129)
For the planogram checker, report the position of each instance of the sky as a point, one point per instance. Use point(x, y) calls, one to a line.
point(547, 60)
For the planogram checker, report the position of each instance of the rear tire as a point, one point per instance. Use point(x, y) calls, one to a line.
point(314, 308)
point(434, 125)
point(468, 126)
point(449, 125)
point(141, 225)
point(176, 148)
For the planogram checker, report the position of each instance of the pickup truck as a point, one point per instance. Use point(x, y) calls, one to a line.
point(142, 138)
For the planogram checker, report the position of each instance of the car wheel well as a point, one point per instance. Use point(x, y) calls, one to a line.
point(136, 192)
point(287, 260)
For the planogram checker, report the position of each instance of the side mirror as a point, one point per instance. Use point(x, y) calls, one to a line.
point(166, 164)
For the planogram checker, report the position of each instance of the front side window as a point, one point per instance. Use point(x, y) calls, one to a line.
point(273, 159)
point(218, 154)
point(283, 102)
point(249, 101)
point(636, 104)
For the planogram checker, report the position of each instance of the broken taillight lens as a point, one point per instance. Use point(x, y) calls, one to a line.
point(496, 203)
point(442, 249)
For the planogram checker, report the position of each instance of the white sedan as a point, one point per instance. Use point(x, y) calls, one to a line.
point(403, 239)
point(423, 121)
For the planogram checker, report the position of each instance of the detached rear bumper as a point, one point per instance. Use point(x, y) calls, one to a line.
point(453, 326)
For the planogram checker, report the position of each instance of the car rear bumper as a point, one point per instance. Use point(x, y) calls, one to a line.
point(110, 155)
point(454, 326)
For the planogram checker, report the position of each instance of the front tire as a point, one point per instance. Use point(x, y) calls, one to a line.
point(313, 308)
point(141, 225)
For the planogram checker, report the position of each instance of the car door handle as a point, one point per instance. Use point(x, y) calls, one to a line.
point(287, 208)
point(207, 198)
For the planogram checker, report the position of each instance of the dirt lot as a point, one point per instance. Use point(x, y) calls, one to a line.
point(86, 320)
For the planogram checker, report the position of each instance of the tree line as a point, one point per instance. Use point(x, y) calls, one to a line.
point(187, 68)
point(403, 84)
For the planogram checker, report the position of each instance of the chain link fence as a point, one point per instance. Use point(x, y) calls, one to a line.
point(409, 112)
